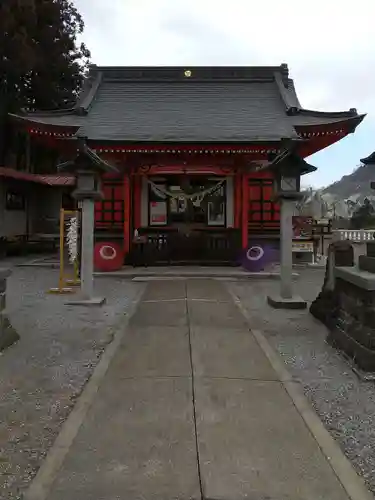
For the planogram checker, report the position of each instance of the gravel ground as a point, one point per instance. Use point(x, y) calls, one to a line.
point(42, 375)
point(345, 404)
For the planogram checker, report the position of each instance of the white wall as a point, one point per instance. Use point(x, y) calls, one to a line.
point(42, 203)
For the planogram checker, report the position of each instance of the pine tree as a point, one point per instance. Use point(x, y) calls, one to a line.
point(364, 216)
point(41, 64)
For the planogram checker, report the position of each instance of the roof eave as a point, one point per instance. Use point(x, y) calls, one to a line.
point(352, 112)
point(31, 121)
point(351, 123)
point(369, 160)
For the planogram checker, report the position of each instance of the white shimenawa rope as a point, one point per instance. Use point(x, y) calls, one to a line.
point(195, 198)
point(72, 239)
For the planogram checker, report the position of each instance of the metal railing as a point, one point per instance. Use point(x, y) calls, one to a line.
point(354, 235)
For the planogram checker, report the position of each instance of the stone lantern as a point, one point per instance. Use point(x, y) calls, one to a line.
point(88, 168)
point(288, 168)
point(288, 182)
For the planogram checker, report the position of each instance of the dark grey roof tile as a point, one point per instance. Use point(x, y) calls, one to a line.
point(213, 104)
point(187, 111)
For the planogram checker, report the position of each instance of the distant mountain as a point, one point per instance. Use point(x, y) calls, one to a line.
point(355, 186)
point(340, 199)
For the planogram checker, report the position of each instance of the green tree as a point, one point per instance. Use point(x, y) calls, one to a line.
point(364, 216)
point(41, 64)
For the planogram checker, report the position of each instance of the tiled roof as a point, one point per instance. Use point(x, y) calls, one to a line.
point(175, 104)
point(187, 112)
point(57, 180)
point(49, 180)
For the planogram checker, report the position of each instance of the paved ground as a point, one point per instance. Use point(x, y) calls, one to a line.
point(344, 403)
point(189, 407)
point(42, 375)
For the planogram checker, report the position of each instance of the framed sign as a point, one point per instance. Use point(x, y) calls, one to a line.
point(303, 246)
point(158, 213)
point(215, 214)
point(15, 200)
point(302, 226)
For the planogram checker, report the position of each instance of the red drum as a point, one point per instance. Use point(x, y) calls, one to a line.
point(108, 256)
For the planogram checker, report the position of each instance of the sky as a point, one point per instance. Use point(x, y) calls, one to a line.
point(329, 46)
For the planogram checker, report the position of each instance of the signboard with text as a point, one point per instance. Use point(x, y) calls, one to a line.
point(158, 213)
point(303, 246)
point(302, 226)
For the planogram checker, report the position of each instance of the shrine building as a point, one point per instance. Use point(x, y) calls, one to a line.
point(192, 146)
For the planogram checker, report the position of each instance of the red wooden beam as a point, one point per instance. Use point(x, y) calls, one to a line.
point(137, 201)
point(187, 148)
point(245, 211)
point(127, 214)
point(237, 200)
point(185, 169)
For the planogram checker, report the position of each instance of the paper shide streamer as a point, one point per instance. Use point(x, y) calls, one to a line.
point(72, 239)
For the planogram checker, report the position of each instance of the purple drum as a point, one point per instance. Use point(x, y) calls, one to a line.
point(258, 255)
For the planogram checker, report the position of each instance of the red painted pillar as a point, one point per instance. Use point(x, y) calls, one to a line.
point(137, 201)
point(245, 210)
point(127, 214)
point(237, 200)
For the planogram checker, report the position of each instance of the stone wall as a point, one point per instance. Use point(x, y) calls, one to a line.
point(346, 305)
point(324, 307)
point(353, 331)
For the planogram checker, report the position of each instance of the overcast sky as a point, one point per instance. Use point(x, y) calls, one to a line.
point(329, 46)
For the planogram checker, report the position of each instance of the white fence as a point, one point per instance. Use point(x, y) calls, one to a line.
point(356, 236)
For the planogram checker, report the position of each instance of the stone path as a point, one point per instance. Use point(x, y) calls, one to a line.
point(191, 408)
point(42, 375)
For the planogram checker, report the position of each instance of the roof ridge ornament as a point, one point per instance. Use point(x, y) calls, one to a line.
point(89, 91)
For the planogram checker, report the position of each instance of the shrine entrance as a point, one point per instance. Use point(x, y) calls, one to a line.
point(187, 222)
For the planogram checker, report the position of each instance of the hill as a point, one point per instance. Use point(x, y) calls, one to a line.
point(355, 186)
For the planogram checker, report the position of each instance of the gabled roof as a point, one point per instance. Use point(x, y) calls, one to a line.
point(194, 104)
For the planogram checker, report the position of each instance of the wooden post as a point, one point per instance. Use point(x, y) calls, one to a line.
point(62, 227)
point(245, 211)
point(62, 288)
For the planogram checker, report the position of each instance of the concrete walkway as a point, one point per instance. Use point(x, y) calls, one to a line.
point(191, 408)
